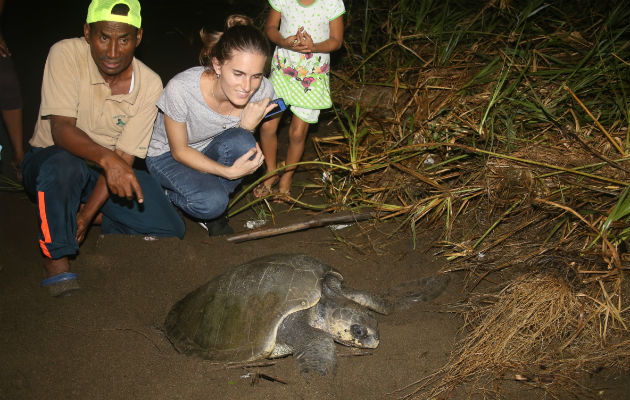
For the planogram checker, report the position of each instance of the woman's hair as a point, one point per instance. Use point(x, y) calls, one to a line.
point(240, 35)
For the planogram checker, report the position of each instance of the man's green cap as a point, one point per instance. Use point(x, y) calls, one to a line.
point(101, 10)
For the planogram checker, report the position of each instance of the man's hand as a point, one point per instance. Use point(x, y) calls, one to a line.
point(120, 177)
point(83, 223)
point(116, 164)
point(4, 49)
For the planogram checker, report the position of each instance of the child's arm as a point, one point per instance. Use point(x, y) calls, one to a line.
point(272, 30)
point(306, 45)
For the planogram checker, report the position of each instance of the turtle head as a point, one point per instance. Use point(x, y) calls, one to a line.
point(352, 325)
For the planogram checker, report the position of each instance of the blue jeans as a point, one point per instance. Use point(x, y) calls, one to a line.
point(201, 195)
point(60, 181)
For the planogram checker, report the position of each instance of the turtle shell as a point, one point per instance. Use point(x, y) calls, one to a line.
point(235, 316)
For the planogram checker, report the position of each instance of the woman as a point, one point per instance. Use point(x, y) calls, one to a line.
point(203, 143)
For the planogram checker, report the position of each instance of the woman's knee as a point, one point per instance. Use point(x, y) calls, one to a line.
point(207, 205)
point(230, 145)
point(240, 140)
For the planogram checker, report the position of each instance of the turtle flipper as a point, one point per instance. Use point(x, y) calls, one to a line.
point(313, 348)
point(369, 300)
point(318, 355)
point(418, 291)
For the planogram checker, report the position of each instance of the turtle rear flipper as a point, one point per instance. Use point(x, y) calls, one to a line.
point(371, 301)
point(314, 349)
point(418, 291)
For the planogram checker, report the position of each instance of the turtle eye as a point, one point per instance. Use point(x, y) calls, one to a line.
point(358, 331)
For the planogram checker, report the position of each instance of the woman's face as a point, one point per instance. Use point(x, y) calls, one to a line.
point(241, 76)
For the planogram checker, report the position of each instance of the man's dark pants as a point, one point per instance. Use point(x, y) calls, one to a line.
point(59, 182)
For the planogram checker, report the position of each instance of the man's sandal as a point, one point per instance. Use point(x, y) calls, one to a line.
point(62, 284)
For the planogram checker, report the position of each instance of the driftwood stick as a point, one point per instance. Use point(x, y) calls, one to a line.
point(314, 222)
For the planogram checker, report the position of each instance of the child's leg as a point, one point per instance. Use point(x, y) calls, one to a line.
point(269, 146)
point(297, 137)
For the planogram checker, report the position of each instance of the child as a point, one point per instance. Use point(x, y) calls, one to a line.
point(305, 32)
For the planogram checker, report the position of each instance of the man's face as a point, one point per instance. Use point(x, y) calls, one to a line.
point(112, 45)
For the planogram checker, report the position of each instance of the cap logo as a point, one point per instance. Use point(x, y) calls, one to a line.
point(101, 10)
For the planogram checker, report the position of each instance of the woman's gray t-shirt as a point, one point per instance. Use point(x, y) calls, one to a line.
point(183, 101)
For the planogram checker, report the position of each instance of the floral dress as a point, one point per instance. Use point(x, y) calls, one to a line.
point(302, 80)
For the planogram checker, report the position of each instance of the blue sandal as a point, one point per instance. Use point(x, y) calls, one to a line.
point(62, 284)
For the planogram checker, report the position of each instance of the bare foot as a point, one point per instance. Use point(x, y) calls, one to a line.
point(59, 281)
point(284, 190)
point(265, 188)
point(272, 180)
point(284, 186)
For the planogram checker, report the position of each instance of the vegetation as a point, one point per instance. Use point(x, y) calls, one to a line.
point(507, 123)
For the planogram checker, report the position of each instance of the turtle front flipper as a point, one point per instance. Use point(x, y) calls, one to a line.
point(369, 300)
point(318, 355)
point(313, 348)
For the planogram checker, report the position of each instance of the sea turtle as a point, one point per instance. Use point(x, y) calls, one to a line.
point(274, 306)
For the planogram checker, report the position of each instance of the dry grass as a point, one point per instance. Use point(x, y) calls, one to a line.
point(507, 124)
point(515, 139)
point(539, 330)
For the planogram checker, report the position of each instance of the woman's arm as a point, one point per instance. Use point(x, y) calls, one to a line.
point(184, 154)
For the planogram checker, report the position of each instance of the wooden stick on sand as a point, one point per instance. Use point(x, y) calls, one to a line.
point(321, 220)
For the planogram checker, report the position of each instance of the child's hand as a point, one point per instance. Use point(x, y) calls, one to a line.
point(289, 42)
point(304, 42)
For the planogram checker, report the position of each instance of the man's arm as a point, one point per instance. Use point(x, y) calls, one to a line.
point(97, 198)
point(119, 176)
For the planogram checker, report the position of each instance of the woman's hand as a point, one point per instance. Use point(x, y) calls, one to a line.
point(246, 164)
point(254, 112)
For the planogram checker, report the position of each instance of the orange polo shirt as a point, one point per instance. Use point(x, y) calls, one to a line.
point(73, 87)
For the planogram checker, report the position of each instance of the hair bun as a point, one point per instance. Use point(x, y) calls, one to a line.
point(238, 19)
point(240, 35)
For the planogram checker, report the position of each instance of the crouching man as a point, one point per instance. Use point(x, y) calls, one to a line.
point(96, 115)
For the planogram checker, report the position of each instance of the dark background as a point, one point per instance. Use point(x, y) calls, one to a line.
point(170, 42)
